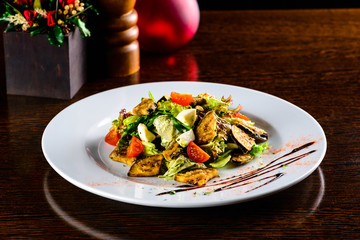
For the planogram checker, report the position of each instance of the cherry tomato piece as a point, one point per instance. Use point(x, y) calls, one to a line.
point(181, 99)
point(113, 136)
point(135, 147)
point(241, 116)
point(196, 154)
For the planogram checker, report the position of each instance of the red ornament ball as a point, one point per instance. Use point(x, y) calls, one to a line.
point(166, 25)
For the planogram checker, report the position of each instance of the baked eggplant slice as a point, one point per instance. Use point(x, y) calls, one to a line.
point(172, 152)
point(163, 98)
point(205, 132)
point(244, 141)
point(198, 101)
point(146, 167)
point(146, 107)
point(239, 158)
point(199, 176)
point(258, 134)
point(120, 156)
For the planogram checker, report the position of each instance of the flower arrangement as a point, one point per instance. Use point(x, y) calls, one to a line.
point(56, 18)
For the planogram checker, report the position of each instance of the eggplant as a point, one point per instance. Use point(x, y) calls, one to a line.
point(239, 158)
point(198, 101)
point(146, 167)
point(163, 98)
point(119, 155)
point(205, 132)
point(146, 107)
point(244, 141)
point(258, 134)
point(172, 152)
point(198, 177)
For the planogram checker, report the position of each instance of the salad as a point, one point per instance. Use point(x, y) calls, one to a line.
point(184, 138)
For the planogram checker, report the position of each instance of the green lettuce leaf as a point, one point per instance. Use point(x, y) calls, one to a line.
point(217, 105)
point(151, 96)
point(258, 149)
point(177, 165)
point(131, 119)
point(222, 160)
point(165, 127)
point(172, 107)
point(217, 145)
point(149, 149)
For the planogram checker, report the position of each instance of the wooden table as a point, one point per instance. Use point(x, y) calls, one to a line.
point(308, 57)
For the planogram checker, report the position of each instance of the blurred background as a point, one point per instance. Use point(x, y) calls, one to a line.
point(209, 5)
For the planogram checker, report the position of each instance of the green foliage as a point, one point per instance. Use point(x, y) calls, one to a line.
point(52, 4)
point(82, 27)
point(36, 30)
point(41, 22)
point(8, 11)
point(56, 36)
point(10, 27)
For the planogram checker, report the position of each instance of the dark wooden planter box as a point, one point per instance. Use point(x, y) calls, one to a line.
point(36, 68)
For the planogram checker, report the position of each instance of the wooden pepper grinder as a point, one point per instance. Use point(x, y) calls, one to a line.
point(119, 18)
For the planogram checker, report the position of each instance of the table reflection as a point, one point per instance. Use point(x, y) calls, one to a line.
point(177, 66)
point(311, 190)
point(91, 231)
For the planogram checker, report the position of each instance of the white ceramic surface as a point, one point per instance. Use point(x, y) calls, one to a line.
point(73, 144)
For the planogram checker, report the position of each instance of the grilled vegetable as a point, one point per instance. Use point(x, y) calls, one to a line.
point(146, 107)
point(206, 129)
point(198, 101)
point(244, 141)
point(197, 177)
point(146, 167)
point(241, 158)
point(120, 156)
point(163, 98)
point(257, 133)
point(172, 152)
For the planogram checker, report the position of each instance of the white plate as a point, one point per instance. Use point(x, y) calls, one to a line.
point(73, 144)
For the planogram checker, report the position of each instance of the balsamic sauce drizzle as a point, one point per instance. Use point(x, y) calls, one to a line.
point(248, 178)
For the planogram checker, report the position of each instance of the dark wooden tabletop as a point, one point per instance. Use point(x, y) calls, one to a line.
point(310, 58)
